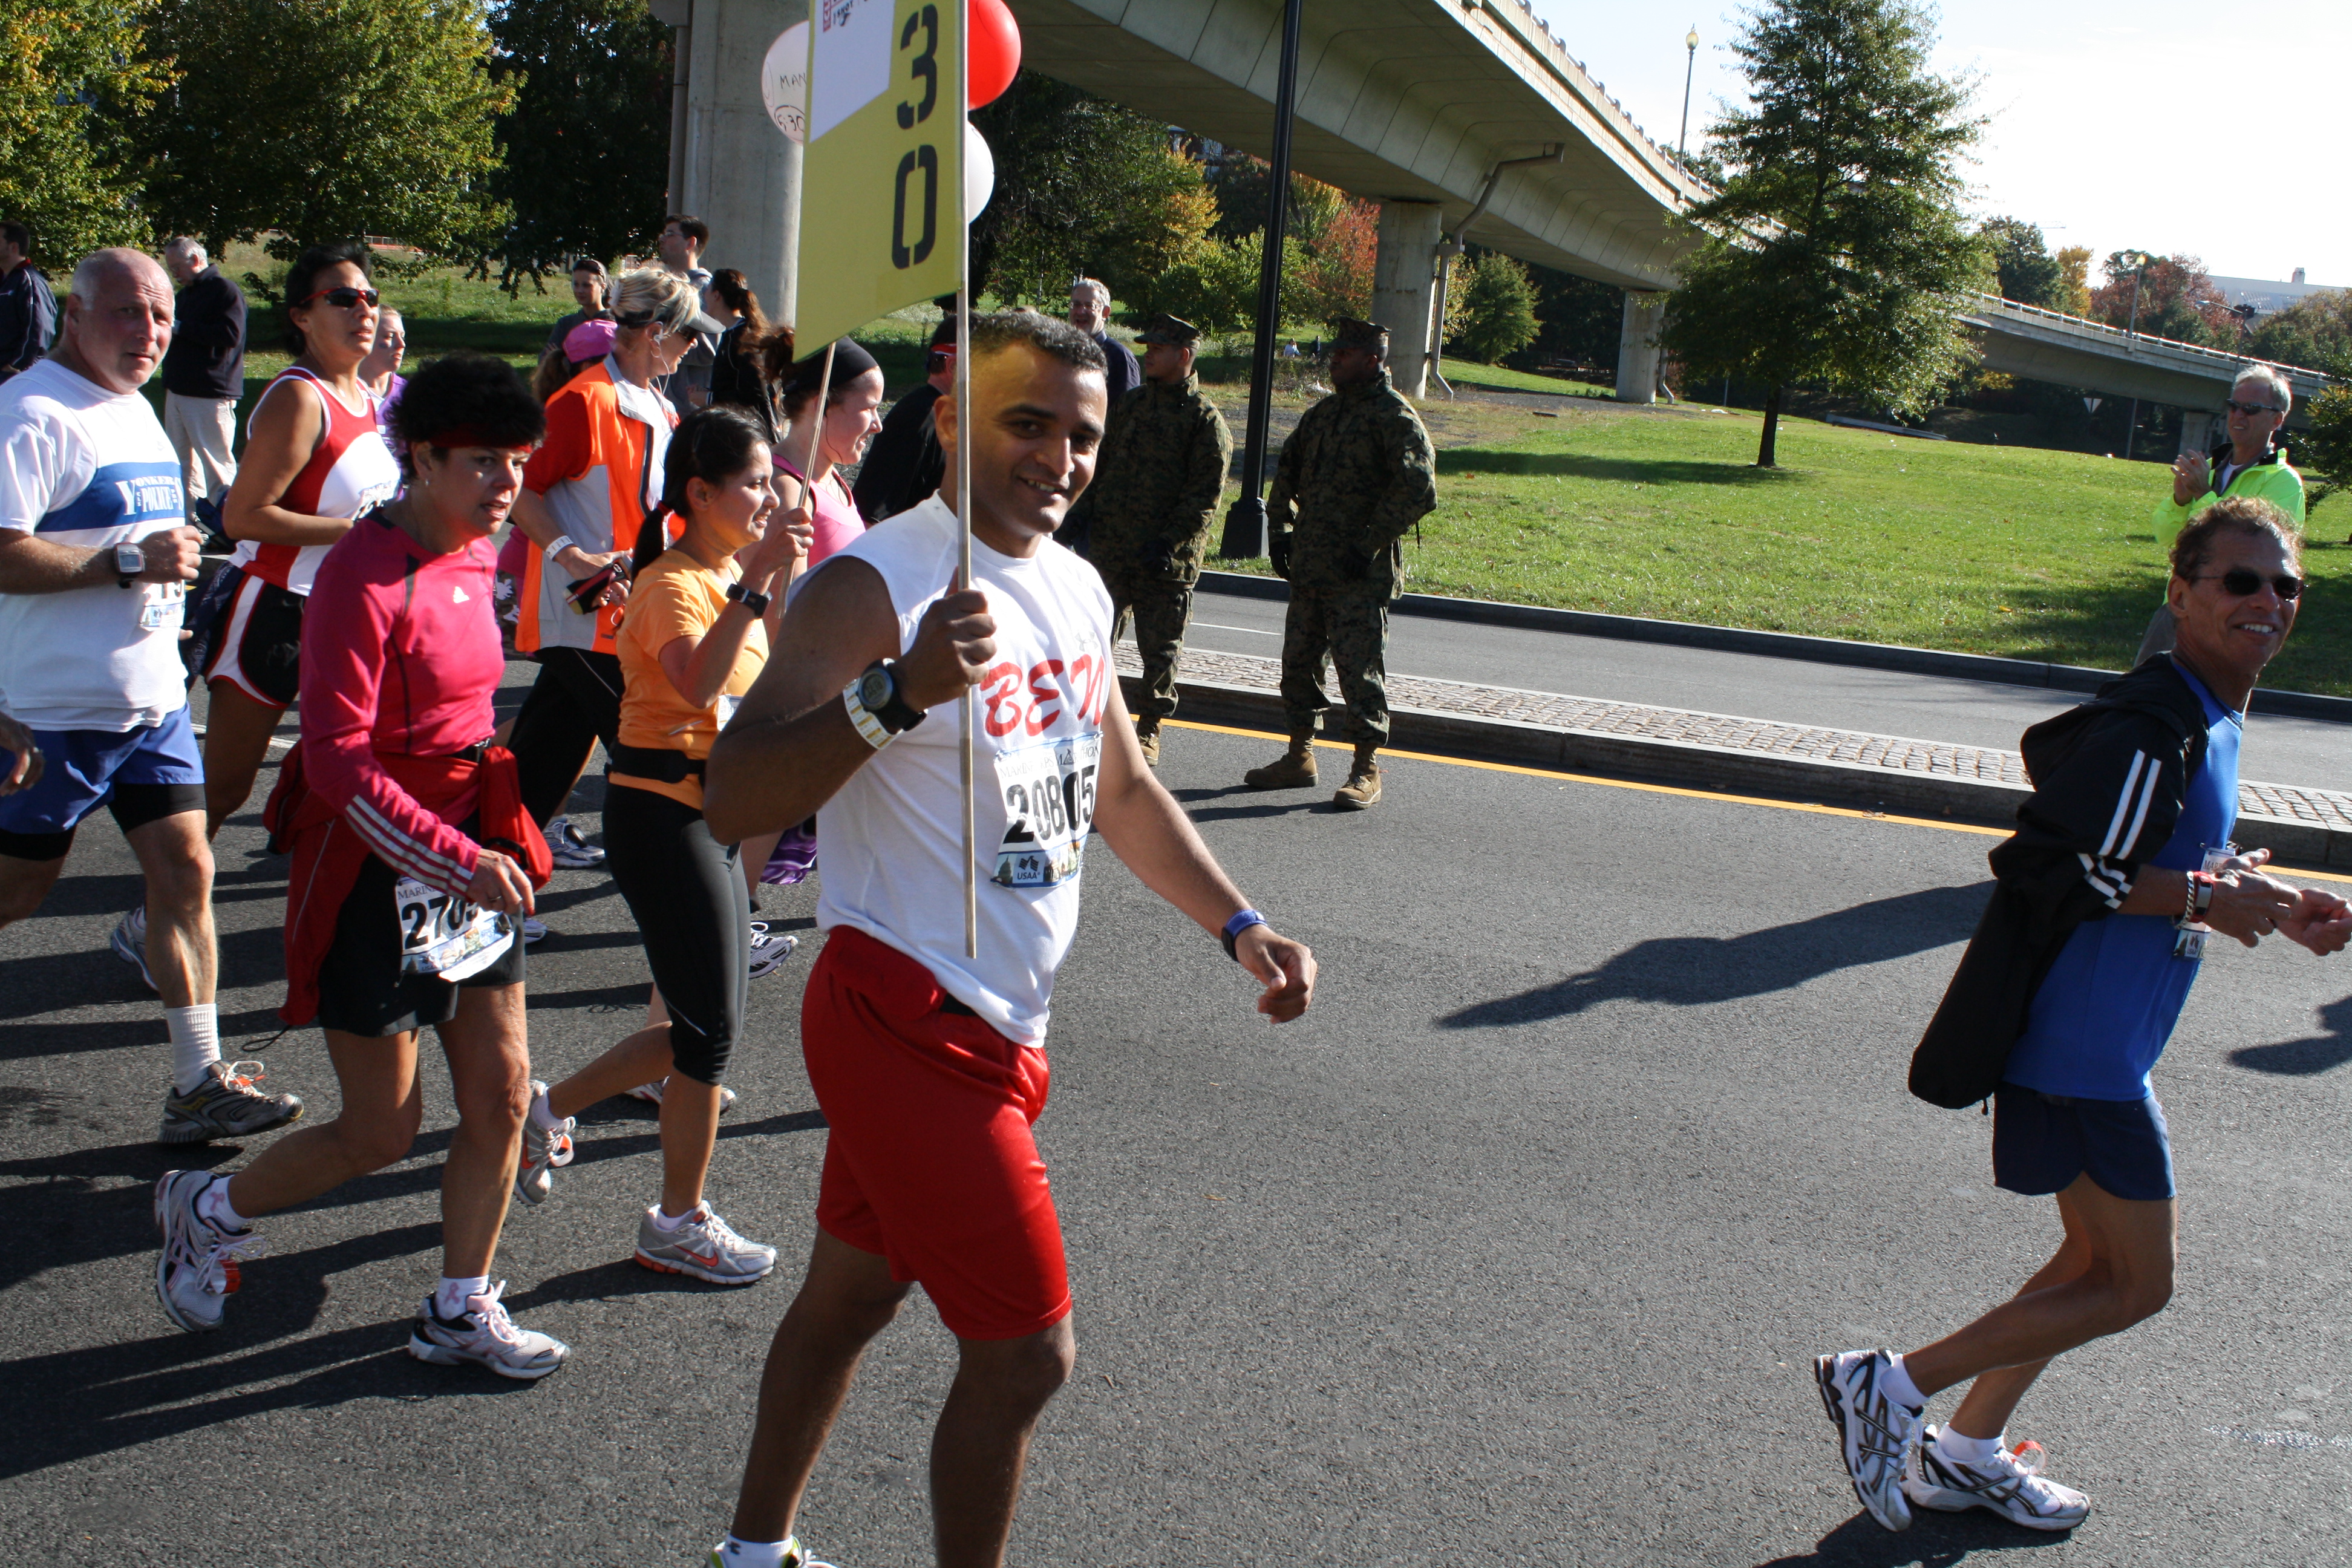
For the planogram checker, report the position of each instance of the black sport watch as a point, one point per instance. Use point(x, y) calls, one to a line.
point(877, 688)
point(757, 603)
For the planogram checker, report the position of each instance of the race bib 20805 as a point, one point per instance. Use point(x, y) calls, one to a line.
point(1049, 805)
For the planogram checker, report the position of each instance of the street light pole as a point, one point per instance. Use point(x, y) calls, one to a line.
point(1245, 535)
point(2140, 260)
point(1690, 68)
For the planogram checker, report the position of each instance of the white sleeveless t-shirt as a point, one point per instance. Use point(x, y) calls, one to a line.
point(890, 844)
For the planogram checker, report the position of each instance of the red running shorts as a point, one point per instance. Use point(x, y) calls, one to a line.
point(929, 1161)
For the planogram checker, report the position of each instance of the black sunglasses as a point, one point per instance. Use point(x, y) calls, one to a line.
point(344, 297)
point(2244, 585)
point(2247, 409)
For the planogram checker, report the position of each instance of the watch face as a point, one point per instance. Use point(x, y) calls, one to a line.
point(875, 689)
point(129, 560)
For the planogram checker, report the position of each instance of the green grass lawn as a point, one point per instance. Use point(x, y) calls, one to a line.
point(2022, 553)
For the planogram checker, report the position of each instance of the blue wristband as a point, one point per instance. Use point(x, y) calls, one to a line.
point(1235, 926)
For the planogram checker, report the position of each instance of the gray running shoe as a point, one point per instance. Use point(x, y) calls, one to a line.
point(198, 1270)
point(130, 942)
point(651, 1093)
point(541, 1150)
point(568, 849)
point(704, 1246)
point(225, 1105)
point(534, 930)
point(485, 1336)
point(2009, 1485)
point(796, 1556)
point(1876, 1433)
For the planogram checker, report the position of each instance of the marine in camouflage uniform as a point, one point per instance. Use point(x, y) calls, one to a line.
point(1357, 472)
point(1148, 514)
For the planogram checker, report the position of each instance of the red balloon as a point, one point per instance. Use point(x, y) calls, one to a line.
point(995, 49)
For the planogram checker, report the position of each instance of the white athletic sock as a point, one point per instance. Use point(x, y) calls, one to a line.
point(542, 1116)
point(1962, 1450)
point(737, 1553)
point(213, 1204)
point(669, 1224)
point(449, 1299)
point(195, 1043)
point(1899, 1386)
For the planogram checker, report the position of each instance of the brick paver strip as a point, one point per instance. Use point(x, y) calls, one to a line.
point(1552, 711)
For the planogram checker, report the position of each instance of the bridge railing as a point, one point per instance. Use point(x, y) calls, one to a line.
point(2107, 329)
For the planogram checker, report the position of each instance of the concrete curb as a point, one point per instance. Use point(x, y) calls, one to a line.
point(1773, 645)
point(1698, 766)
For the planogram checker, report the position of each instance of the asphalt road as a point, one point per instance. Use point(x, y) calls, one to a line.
point(1515, 1250)
point(2309, 752)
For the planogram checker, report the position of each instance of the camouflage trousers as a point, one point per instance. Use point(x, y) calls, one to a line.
point(1350, 622)
point(1160, 610)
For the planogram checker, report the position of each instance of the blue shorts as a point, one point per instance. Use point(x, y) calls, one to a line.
point(143, 776)
point(2041, 1142)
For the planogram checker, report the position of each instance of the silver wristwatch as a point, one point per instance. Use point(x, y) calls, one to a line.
point(129, 561)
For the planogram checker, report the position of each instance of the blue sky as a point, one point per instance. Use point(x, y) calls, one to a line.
point(2149, 124)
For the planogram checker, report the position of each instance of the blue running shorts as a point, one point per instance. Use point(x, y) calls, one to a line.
point(2041, 1142)
point(143, 775)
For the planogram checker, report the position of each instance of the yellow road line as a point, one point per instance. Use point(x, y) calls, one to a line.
point(1671, 789)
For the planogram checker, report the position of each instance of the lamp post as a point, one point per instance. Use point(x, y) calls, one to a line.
point(2140, 260)
point(1690, 68)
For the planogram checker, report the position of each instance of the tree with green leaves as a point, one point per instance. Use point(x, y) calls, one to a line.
point(585, 153)
point(75, 79)
point(2029, 274)
point(320, 120)
point(2176, 298)
point(2314, 331)
point(1835, 252)
point(1215, 286)
point(1498, 308)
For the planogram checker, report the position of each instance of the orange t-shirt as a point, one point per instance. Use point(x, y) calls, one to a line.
point(674, 597)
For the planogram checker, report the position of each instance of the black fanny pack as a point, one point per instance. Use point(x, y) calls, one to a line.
point(655, 762)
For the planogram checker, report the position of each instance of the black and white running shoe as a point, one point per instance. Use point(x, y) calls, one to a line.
point(484, 1335)
point(1876, 1433)
point(2009, 1485)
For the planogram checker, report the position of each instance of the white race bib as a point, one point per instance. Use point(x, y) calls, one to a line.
point(444, 937)
point(161, 605)
point(726, 706)
point(1049, 803)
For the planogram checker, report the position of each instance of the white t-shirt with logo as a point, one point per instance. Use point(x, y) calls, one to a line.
point(892, 839)
point(85, 466)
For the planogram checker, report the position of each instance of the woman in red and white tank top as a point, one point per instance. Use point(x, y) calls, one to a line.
point(314, 459)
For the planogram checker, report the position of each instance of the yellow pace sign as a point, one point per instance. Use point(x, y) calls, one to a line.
point(882, 183)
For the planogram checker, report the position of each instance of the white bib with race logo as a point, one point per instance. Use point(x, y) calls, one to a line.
point(1049, 805)
point(447, 938)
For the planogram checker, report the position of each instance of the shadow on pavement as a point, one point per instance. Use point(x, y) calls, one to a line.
point(1279, 802)
point(1625, 470)
point(1934, 1541)
point(1689, 970)
point(2303, 1058)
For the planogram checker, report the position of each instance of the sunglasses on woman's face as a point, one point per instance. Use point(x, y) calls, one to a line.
point(2242, 583)
point(2249, 409)
point(344, 297)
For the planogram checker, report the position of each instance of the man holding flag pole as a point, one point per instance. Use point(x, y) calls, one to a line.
point(925, 1042)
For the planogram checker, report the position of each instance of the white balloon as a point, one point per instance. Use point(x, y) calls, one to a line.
point(784, 80)
point(979, 171)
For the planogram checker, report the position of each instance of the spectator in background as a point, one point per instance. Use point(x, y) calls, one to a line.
point(380, 372)
point(904, 464)
point(736, 378)
point(29, 311)
point(853, 393)
point(681, 246)
point(1090, 313)
point(204, 372)
point(588, 286)
point(2250, 463)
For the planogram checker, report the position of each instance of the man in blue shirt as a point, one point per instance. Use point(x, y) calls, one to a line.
point(2103, 903)
point(29, 311)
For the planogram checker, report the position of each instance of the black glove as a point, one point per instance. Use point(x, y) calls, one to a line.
point(1277, 552)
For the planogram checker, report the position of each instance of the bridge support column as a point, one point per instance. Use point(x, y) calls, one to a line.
point(1404, 288)
point(2196, 431)
point(1637, 347)
point(740, 173)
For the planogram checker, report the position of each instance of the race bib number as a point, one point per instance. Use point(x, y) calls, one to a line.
point(444, 937)
point(163, 606)
point(727, 708)
point(1049, 805)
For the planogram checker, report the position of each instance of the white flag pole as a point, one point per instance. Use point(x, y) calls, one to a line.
point(965, 424)
point(816, 432)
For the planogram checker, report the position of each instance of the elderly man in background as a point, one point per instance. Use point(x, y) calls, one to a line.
point(1090, 313)
point(2250, 463)
point(204, 371)
point(29, 311)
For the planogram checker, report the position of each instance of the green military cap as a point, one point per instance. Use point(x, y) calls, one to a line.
point(1347, 332)
point(1173, 331)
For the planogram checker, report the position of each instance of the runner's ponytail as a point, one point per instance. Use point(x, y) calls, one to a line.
point(712, 444)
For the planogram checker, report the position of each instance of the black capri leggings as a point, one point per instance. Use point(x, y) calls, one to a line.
point(685, 891)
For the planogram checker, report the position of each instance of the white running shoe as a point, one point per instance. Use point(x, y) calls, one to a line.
point(2011, 1486)
point(796, 1556)
point(130, 942)
point(485, 1336)
point(198, 1270)
point(651, 1093)
point(568, 849)
point(534, 929)
point(704, 1246)
point(1875, 1434)
point(770, 949)
point(542, 1149)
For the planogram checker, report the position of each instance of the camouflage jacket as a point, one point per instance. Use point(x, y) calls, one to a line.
point(1354, 476)
point(1157, 479)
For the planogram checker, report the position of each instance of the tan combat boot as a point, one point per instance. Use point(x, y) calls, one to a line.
point(1296, 771)
point(1146, 735)
point(1363, 785)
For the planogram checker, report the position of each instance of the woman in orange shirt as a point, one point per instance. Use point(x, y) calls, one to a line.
point(691, 642)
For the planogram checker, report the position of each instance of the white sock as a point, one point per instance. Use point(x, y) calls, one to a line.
point(449, 1299)
point(542, 1115)
point(195, 1043)
point(737, 1553)
point(1962, 1450)
point(1899, 1386)
point(668, 1224)
point(213, 1204)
